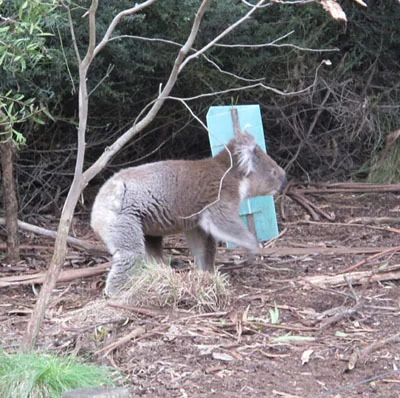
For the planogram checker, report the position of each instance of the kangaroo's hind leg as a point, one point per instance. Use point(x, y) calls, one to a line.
point(125, 241)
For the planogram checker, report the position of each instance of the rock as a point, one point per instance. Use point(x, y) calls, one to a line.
point(98, 392)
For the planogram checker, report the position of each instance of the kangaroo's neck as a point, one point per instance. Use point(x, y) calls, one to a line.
point(226, 157)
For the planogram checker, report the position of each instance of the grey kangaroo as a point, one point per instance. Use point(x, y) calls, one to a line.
point(137, 206)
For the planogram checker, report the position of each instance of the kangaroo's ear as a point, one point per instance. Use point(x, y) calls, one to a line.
point(244, 146)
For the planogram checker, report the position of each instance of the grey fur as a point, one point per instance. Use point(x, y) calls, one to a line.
point(137, 206)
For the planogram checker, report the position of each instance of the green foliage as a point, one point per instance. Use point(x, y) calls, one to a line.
point(15, 109)
point(22, 48)
point(361, 108)
point(21, 36)
point(35, 375)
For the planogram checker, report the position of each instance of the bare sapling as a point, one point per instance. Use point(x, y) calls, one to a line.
point(137, 206)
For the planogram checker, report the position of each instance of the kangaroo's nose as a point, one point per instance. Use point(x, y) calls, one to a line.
point(284, 183)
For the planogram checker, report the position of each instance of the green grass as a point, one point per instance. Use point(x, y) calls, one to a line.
point(37, 375)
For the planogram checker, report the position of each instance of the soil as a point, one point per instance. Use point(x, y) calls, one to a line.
point(328, 341)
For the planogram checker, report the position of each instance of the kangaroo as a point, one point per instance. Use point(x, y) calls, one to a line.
point(137, 206)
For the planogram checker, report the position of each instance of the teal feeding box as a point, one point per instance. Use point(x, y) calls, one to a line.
point(257, 213)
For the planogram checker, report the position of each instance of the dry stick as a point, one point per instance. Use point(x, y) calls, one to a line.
point(362, 262)
point(376, 345)
point(343, 224)
point(65, 276)
point(306, 204)
point(139, 310)
point(284, 327)
point(345, 313)
point(52, 234)
point(356, 278)
point(3, 246)
point(310, 205)
point(347, 187)
point(301, 251)
point(376, 220)
point(139, 331)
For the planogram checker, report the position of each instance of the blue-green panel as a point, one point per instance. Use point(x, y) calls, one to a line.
point(220, 126)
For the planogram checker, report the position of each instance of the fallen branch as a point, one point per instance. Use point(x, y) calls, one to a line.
point(298, 194)
point(345, 187)
point(362, 262)
point(306, 204)
point(152, 312)
point(52, 234)
point(302, 251)
point(3, 246)
point(376, 220)
point(355, 278)
point(343, 224)
point(65, 276)
point(358, 355)
point(138, 331)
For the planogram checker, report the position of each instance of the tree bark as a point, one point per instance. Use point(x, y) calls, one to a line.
point(60, 252)
point(7, 151)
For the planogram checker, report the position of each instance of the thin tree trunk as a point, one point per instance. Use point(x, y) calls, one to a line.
point(77, 186)
point(7, 150)
point(60, 252)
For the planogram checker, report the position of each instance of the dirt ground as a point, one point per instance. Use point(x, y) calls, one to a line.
point(330, 340)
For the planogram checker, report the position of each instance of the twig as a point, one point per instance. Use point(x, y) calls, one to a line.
point(376, 345)
point(64, 276)
point(346, 187)
point(3, 246)
point(343, 224)
point(360, 277)
point(139, 310)
point(138, 331)
point(376, 220)
point(306, 204)
point(342, 314)
point(362, 262)
point(301, 251)
point(52, 234)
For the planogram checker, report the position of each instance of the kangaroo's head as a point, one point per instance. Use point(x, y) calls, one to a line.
point(260, 174)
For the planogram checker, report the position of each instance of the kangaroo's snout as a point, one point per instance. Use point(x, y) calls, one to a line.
point(284, 183)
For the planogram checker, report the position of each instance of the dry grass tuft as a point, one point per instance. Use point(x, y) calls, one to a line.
point(161, 286)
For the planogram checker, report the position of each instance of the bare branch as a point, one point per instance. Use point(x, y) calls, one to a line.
point(92, 34)
point(230, 73)
point(252, 5)
point(256, 85)
point(274, 43)
point(156, 105)
point(71, 27)
point(155, 39)
point(223, 34)
point(293, 1)
point(115, 21)
point(53, 234)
